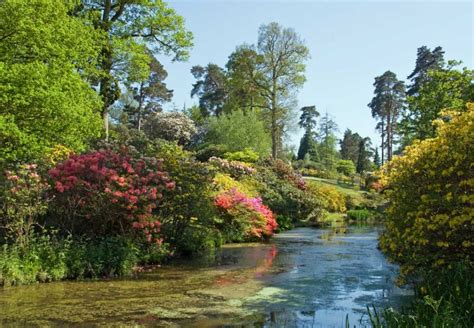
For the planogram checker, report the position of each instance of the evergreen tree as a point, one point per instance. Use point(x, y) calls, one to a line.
point(327, 142)
point(210, 88)
point(426, 60)
point(377, 158)
point(386, 105)
point(145, 96)
point(308, 123)
point(363, 160)
point(350, 146)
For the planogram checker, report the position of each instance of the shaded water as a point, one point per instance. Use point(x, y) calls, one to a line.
point(302, 278)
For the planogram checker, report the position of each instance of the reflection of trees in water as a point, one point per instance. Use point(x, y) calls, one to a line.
point(241, 276)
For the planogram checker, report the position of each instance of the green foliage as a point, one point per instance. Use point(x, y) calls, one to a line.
point(345, 167)
point(247, 156)
point(212, 150)
point(210, 88)
point(111, 256)
point(281, 193)
point(444, 299)
point(444, 88)
point(238, 131)
point(188, 215)
point(386, 106)
point(360, 214)
point(43, 259)
point(429, 223)
point(44, 99)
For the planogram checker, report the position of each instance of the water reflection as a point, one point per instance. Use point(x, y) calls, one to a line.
point(303, 278)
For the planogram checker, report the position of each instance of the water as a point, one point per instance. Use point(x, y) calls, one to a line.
point(302, 278)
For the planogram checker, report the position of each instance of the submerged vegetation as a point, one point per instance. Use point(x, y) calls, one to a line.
point(79, 201)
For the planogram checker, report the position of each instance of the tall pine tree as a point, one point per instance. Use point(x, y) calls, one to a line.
point(386, 105)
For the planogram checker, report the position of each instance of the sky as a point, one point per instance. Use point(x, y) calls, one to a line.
point(350, 43)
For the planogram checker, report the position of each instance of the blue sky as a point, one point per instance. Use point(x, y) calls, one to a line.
point(350, 43)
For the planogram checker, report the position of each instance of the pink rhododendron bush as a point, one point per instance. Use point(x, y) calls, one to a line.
point(109, 192)
point(247, 218)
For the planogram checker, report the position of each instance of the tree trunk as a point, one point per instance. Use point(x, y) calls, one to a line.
point(106, 65)
point(274, 121)
point(383, 141)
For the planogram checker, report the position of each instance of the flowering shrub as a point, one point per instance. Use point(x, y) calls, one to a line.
point(170, 126)
point(286, 172)
point(430, 190)
point(247, 185)
point(234, 168)
point(332, 200)
point(246, 215)
point(23, 201)
point(109, 192)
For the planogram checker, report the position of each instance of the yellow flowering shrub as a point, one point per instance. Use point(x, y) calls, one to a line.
point(332, 200)
point(430, 220)
point(247, 185)
point(57, 154)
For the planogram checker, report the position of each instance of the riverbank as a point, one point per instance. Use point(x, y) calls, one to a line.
point(304, 275)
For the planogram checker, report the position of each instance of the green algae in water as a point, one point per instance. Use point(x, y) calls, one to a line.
point(298, 276)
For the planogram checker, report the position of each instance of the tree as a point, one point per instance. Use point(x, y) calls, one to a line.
point(242, 70)
point(210, 87)
point(376, 161)
point(237, 131)
point(346, 167)
point(46, 55)
point(145, 97)
point(327, 142)
point(386, 105)
point(350, 146)
point(363, 160)
point(426, 60)
point(308, 147)
point(308, 123)
point(131, 29)
point(442, 88)
point(282, 67)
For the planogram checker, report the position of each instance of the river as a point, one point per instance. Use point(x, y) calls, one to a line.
point(302, 278)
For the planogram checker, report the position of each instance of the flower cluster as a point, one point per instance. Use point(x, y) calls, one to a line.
point(257, 220)
point(286, 172)
point(234, 168)
point(112, 187)
point(24, 199)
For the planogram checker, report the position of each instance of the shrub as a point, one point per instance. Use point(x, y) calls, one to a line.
point(205, 153)
point(360, 214)
point(285, 172)
point(284, 198)
point(187, 212)
point(247, 156)
point(247, 185)
point(109, 193)
point(109, 256)
point(430, 189)
point(23, 201)
point(170, 126)
point(332, 200)
point(42, 259)
point(245, 218)
point(234, 168)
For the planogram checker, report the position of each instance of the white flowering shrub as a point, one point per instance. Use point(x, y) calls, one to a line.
point(171, 126)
